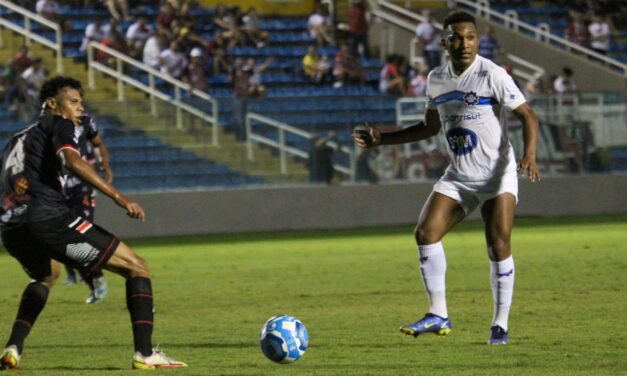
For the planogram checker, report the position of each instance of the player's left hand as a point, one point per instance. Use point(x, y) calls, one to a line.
point(529, 167)
point(133, 209)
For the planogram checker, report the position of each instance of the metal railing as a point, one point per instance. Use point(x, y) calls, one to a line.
point(151, 89)
point(285, 149)
point(26, 31)
point(536, 71)
point(510, 20)
point(417, 112)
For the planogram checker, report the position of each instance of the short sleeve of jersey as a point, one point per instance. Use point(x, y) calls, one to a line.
point(63, 136)
point(505, 90)
point(430, 99)
point(91, 128)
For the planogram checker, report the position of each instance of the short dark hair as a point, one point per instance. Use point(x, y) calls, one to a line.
point(567, 71)
point(53, 86)
point(459, 16)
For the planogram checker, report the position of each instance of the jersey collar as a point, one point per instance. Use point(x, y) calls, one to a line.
point(470, 68)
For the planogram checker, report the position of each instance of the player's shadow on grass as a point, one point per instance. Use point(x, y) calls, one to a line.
point(68, 368)
point(220, 345)
point(78, 346)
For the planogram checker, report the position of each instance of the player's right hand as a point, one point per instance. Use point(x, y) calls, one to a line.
point(366, 136)
point(133, 209)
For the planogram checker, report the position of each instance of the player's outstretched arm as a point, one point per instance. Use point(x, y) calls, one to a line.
point(528, 165)
point(104, 157)
point(368, 136)
point(73, 161)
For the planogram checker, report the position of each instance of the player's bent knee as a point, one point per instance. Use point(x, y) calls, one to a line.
point(425, 235)
point(139, 268)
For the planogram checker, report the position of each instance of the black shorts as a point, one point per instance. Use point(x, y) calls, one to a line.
point(69, 239)
point(83, 205)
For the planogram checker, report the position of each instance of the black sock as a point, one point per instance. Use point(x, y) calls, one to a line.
point(139, 303)
point(33, 302)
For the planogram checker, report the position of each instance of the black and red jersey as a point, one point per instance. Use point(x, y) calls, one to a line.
point(33, 176)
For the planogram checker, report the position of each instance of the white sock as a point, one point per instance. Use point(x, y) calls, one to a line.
point(502, 282)
point(433, 270)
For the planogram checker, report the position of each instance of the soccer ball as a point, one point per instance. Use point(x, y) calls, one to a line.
point(283, 339)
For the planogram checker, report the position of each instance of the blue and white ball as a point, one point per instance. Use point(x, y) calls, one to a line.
point(284, 339)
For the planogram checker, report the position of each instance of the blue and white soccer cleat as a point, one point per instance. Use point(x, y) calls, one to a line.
point(430, 323)
point(498, 336)
point(100, 291)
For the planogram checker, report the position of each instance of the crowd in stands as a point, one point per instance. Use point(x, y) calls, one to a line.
point(173, 45)
point(20, 82)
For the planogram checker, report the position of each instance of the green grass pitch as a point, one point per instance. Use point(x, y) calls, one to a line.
point(352, 289)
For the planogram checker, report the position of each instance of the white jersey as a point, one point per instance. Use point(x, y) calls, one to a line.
point(478, 145)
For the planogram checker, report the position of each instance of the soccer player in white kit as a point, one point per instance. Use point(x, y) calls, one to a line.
point(482, 170)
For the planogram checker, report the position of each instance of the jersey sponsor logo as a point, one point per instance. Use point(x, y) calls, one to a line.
point(82, 253)
point(482, 73)
point(461, 140)
point(454, 119)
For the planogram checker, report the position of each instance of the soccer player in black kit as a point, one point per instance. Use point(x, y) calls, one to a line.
point(40, 230)
point(80, 197)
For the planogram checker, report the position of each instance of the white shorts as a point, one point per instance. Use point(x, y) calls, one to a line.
point(470, 194)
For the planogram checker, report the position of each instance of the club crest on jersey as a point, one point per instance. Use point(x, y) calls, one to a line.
point(471, 98)
point(461, 140)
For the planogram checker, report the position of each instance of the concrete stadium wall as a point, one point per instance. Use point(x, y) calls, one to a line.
point(300, 208)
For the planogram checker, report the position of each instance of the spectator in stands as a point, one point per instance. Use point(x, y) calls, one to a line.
point(227, 20)
point(137, 35)
point(181, 7)
point(488, 45)
point(187, 39)
point(34, 77)
point(564, 83)
point(195, 75)
point(94, 32)
point(240, 78)
point(165, 17)
point(255, 86)
point(418, 81)
point(358, 26)
point(21, 60)
point(599, 31)
point(152, 50)
point(217, 51)
point(251, 28)
point(347, 68)
point(364, 171)
point(321, 158)
point(430, 40)
point(576, 31)
point(320, 26)
point(115, 41)
point(314, 66)
point(113, 5)
point(49, 9)
point(173, 61)
point(390, 80)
